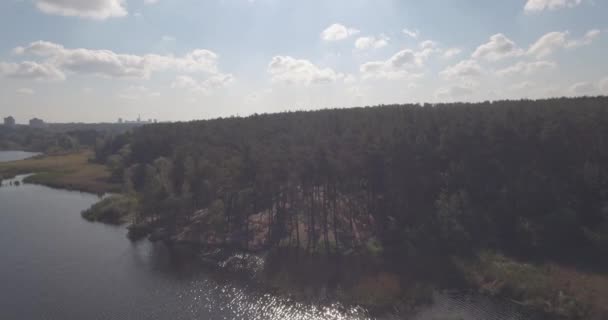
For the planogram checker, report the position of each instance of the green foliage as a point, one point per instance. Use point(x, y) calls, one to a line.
point(374, 248)
point(519, 176)
point(532, 285)
point(116, 209)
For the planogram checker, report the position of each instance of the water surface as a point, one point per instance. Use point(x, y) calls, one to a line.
point(16, 155)
point(56, 265)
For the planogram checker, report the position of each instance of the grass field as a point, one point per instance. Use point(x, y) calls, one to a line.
point(71, 171)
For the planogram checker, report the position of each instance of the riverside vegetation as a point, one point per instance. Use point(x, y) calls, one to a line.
point(71, 170)
point(383, 204)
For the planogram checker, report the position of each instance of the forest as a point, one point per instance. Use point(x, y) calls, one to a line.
point(528, 178)
point(59, 137)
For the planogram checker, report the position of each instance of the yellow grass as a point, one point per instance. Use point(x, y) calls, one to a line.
point(71, 171)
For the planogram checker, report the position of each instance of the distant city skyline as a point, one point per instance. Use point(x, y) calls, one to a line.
point(99, 60)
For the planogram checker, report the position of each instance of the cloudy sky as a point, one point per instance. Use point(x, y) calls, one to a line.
point(98, 60)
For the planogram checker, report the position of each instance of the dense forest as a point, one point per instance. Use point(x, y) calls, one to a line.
point(398, 181)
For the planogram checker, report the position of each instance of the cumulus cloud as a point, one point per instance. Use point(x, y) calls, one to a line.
point(365, 43)
point(499, 47)
point(411, 33)
point(337, 32)
point(552, 41)
point(526, 68)
point(451, 52)
point(533, 6)
point(109, 64)
point(397, 66)
point(31, 70)
point(91, 9)
point(463, 69)
point(427, 48)
point(286, 69)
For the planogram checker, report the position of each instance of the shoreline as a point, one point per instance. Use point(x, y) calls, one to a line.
point(489, 274)
point(69, 171)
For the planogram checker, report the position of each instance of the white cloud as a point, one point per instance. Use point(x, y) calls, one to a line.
point(533, 6)
point(552, 41)
point(350, 79)
point(411, 33)
point(109, 64)
point(400, 65)
point(526, 68)
point(92, 9)
point(463, 69)
point(404, 58)
point(31, 70)
point(428, 47)
point(396, 67)
point(365, 43)
point(582, 88)
point(337, 32)
point(148, 2)
point(452, 52)
point(290, 70)
point(499, 47)
point(25, 91)
point(586, 40)
point(547, 44)
point(428, 44)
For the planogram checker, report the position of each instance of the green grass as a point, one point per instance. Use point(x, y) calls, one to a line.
point(556, 290)
point(116, 209)
point(71, 171)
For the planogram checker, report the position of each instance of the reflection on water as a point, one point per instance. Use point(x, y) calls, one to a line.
point(56, 265)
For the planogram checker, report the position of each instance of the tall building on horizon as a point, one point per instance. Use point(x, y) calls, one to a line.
point(9, 121)
point(37, 123)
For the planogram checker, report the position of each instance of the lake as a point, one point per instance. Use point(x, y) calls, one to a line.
point(56, 265)
point(16, 155)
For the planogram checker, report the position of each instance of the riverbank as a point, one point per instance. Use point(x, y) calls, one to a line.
point(362, 277)
point(357, 278)
point(557, 290)
point(71, 171)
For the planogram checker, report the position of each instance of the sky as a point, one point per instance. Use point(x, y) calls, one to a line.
point(171, 60)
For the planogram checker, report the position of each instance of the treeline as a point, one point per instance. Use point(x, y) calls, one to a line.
point(527, 177)
point(57, 138)
point(37, 139)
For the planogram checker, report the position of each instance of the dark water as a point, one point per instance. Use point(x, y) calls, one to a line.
point(16, 155)
point(56, 265)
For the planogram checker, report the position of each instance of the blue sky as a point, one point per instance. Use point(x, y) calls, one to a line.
point(98, 60)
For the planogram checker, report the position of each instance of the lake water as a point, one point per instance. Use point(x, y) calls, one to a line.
point(16, 155)
point(56, 265)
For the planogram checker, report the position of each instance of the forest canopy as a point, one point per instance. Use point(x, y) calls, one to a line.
point(397, 181)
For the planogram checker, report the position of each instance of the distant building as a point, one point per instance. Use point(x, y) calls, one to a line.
point(9, 121)
point(37, 123)
point(119, 120)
